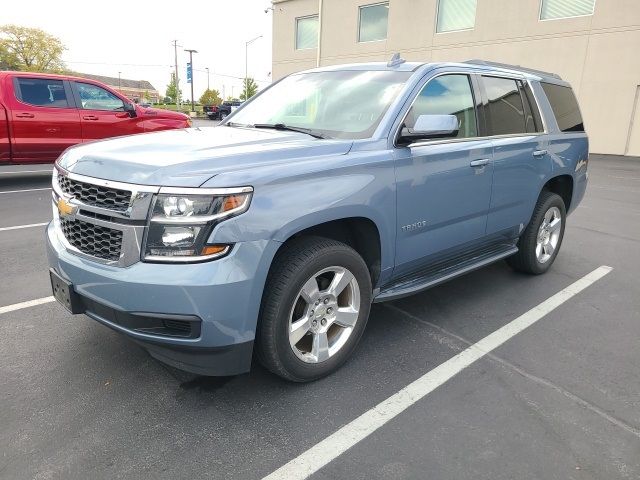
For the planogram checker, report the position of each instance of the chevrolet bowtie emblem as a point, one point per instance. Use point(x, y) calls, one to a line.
point(65, 208)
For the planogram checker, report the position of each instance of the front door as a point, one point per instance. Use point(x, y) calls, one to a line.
point(444, 185)
point(102, 113)
point(43, 119)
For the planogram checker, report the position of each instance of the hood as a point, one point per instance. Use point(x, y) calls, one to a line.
point(160, 113)
point(189, 157)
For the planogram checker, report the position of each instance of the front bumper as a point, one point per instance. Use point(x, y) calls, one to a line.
point(222, 297)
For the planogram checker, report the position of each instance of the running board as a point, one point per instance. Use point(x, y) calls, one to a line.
point(432, 277)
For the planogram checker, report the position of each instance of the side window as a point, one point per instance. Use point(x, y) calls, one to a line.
point(565, 107)
point(505, 108)
point(447, 95)
point(93, 97)
point(42, 92)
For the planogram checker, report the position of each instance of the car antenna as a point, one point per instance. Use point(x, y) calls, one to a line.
point(396, 60)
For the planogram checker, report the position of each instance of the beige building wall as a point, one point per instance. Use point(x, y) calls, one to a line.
point(598, 54)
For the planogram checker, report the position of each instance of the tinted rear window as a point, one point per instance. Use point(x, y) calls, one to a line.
point(565, 107)
point(505, 108)
point(42, 92)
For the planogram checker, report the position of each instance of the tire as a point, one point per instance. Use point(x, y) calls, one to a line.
point(223, 116)
point(535, 255)
point(289, 309)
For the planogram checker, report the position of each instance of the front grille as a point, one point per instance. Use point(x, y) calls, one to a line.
point(94, 240)
point(96, 195)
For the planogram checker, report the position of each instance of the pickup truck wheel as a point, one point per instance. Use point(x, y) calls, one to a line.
point(223, 115)
point(315, 307)
point(540, 242)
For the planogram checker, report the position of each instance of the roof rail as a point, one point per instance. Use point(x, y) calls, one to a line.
point(514, 67)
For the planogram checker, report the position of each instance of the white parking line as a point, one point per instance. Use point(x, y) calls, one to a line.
point(339, 442)
point(18, 227)
point(27, 190)
point(27, 304)
point(18, 172)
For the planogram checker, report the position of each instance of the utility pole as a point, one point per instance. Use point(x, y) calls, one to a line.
point(246, 63)
point(119, 83)
point(191, 52)
point(207, 78)
point(175, 52)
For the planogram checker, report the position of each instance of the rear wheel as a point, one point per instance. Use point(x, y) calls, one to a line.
point(223, 115)
point(314, 309)
point(540, 242)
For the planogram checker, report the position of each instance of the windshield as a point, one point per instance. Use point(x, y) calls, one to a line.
point(337, 104)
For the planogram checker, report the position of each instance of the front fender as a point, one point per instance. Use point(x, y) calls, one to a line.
point(362, 186)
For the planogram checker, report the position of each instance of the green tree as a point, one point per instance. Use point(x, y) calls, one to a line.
point(30, 49)
point(146, 97)
point(249, 88)
point(210, 97)
point(172, 89)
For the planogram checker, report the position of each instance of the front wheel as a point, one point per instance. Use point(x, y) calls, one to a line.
point(540, 242)
point(314, 309)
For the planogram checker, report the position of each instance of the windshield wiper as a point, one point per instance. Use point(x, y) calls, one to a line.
point(282, 126)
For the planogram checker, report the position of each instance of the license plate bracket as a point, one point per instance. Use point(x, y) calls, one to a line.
point(64, 293)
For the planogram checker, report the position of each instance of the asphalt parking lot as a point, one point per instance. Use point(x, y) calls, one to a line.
point(560, 400)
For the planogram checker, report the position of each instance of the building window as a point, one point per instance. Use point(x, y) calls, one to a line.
point(456, 15)
point(551, 9)
point(373, 22)
point(307, 32)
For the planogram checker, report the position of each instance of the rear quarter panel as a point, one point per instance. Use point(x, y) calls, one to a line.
point(568, 151)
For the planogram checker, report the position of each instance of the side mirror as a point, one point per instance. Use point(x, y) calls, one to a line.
point(430, 126)
point(130, 109)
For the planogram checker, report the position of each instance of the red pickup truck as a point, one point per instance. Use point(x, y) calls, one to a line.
point(42, 114)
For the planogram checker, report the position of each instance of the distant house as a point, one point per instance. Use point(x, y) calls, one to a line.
point(132, 89)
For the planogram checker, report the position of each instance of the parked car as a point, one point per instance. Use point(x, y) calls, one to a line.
point(227, 108)
point(211, 111)
point(328, 191)
point(42, 114)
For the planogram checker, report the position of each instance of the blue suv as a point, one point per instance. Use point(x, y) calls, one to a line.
point(333, 188)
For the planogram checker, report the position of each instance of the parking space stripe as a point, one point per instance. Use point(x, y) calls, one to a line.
point(27, 190)
point(346, 437)
point(27, 304)
point(18, 172)
point(18, 227)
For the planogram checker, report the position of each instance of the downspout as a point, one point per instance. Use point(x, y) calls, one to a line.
point(318, 50)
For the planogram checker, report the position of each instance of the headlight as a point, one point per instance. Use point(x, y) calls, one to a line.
point(181, 223)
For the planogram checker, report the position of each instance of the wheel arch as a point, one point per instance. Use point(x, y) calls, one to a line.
point(561, 185)
point(360, 232)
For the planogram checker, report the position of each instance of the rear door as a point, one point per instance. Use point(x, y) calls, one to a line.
point(520, 158)
point(43, 118)
point(102, 113)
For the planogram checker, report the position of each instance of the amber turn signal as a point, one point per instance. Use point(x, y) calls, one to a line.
point(232, 202)
point(214, 249)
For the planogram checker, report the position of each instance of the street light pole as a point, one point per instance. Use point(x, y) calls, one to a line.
point(175, 52)
point(246, 63)
point(191, 52)
point(119, 83)
point(207, 78)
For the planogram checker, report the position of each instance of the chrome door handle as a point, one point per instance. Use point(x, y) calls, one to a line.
point(479, 163)
point(539, 153)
